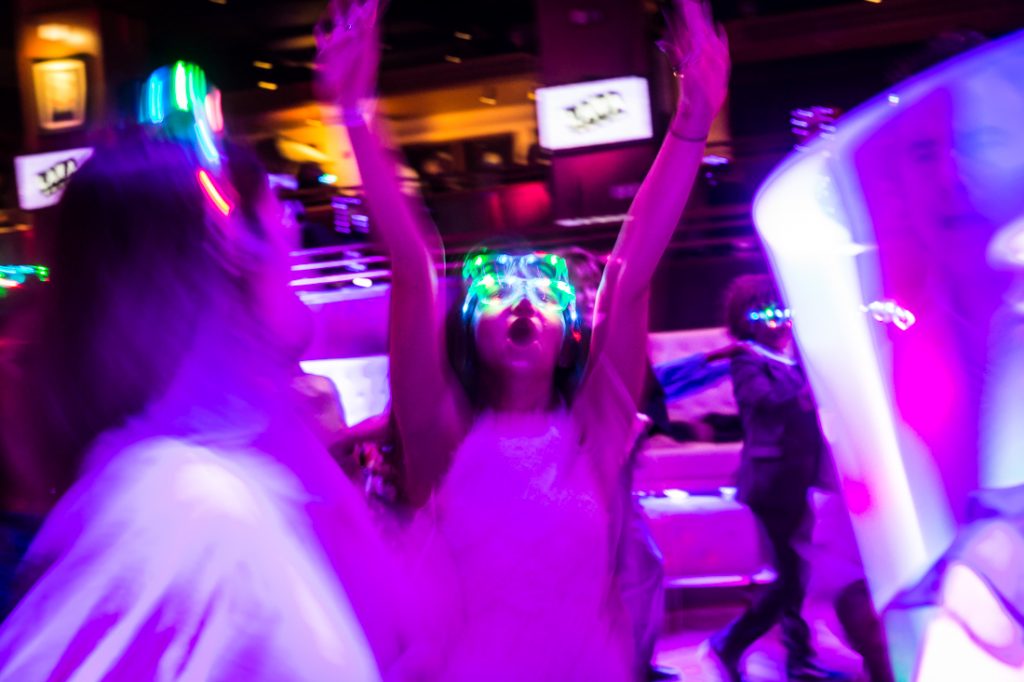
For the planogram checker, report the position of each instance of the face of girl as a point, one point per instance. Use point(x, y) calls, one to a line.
point(521, 331)
point(520, 307)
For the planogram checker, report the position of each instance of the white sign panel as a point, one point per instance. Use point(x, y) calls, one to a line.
point(594, 113)
point(42, 177)
point(362, 384)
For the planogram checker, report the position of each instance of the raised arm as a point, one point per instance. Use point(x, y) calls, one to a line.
point(426, 397)
point(699, 54)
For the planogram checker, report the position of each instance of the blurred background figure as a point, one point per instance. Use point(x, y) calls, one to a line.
point(26, 480)
point(781, 460)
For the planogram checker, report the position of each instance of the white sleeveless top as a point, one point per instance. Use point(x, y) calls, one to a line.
point(528, 511)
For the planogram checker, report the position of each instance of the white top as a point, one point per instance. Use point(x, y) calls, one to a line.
point(531, 513)
point(171, 561)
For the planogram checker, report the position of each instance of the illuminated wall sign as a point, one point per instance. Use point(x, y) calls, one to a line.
point(594, 113)
point(42, 177)
point(60, 86)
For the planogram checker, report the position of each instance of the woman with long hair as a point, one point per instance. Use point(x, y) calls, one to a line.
point(204, 532)
point(516, 452)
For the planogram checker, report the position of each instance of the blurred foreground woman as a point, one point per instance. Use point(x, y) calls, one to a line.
point(204, 533)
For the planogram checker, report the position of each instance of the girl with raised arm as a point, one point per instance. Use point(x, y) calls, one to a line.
point(516, 452)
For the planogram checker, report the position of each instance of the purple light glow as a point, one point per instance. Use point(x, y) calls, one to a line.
point(917, 199)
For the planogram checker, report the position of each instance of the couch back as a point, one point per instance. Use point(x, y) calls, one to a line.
point(666, 346)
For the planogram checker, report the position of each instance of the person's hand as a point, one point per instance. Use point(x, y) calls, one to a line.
point(699, 53)
point(348, 52)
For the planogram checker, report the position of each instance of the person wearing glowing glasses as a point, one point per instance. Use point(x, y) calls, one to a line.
point(780, 461)
point(518, 443)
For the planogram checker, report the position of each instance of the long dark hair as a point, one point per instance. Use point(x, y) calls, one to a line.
point(140, 256)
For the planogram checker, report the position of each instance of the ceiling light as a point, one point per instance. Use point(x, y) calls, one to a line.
point(266, 66)
point(63, 33)
point(463, 36)
point(453, 59)
point(364, 282)
point(266, 85)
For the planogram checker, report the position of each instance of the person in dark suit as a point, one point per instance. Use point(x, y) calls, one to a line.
point(780, 461)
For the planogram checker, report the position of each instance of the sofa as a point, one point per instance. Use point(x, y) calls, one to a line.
point(706, 536)
point(708, 539)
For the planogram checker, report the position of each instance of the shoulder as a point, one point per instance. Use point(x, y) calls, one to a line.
point(746, 361)
point(162, 486)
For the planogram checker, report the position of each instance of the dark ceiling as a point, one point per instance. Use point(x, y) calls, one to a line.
point(227, 38)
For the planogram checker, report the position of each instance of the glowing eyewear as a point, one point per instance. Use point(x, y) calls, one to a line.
point(178, 103)
point(771, 316)
point(499, 279)
point(13, 276)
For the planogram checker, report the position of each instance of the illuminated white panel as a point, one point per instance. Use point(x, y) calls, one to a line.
point(362, 384)
point(42, 177)
point(594, 113)
point(897, 244)
point(950, 654)
point(814, 256)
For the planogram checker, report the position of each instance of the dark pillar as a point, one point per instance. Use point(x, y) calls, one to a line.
point(584, 40)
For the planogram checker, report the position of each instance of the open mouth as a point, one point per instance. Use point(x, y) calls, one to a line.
point(522, 331)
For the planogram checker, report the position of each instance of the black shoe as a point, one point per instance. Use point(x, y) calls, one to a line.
point(810, 671)
point(728, 666)
point(657, 673)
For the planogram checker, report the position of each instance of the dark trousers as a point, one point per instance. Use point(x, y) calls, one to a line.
point(781, 601)
point(864, 630)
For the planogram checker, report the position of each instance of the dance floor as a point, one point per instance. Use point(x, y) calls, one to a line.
point(694, 616)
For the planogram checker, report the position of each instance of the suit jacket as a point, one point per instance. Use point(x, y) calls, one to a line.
point(782, 441)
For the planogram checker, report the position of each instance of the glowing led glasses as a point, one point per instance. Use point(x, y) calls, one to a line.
point(771, 316)
point(501, 279)
point(179, 102)
point(13, 276)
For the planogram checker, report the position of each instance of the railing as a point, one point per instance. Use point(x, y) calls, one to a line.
point(717, 221)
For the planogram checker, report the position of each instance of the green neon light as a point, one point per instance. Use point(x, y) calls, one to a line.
point(181, 100)
point(13, 276)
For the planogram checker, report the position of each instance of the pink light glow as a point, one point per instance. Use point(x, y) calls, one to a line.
point(918, 198)
point(214, 111)
point(214, 194)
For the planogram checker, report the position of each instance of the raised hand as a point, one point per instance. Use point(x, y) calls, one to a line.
point(699, 53)
point(348, 52)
